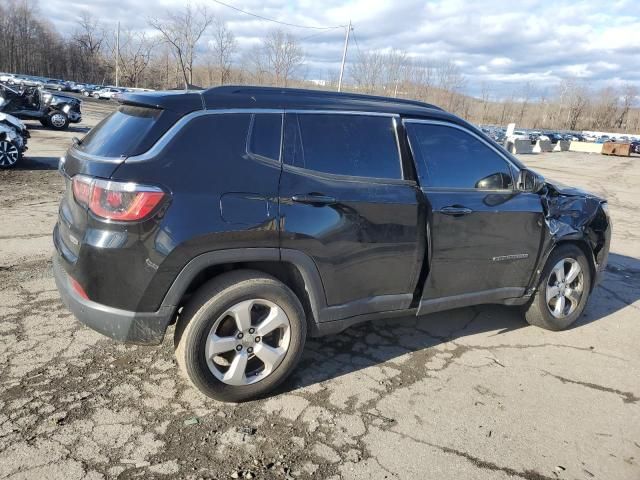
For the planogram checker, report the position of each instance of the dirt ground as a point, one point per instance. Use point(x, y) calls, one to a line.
point(473, 393)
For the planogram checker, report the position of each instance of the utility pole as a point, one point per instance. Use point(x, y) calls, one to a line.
point(117, 52)
point(344, 56)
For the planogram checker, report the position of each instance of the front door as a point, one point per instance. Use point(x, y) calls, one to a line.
point(483, 234)
point(345, 204)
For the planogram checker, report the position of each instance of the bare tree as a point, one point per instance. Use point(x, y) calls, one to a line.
point(134, 55)
point(183, 30)
point(282, 55)
point(629, 96)
point(578, 101)
point(222, 48)
point(368, 71)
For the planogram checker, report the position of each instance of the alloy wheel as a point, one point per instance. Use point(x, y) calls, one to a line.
point(565, 287)
point(58, 120)
point(9, 154)
point(248, 342)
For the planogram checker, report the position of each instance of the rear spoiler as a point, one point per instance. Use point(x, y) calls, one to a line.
point(179, 102)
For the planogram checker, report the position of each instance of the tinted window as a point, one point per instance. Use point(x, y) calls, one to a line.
point(451, 158)
point(121, 132)
point(354, 145)
point(265, 135)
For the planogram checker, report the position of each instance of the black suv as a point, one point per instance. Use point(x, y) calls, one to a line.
point(253, 217)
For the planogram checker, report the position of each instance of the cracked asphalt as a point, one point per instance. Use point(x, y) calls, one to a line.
point(473, 393)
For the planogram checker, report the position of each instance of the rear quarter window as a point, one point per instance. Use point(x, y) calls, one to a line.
point(127, 131)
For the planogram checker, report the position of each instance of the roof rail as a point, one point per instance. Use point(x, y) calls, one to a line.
point(253, 90)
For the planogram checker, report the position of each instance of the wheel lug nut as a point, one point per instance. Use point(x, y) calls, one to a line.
point(249, 350)
point(240, 335)
point(239, 347)
point(251, 330)
point(257, 339)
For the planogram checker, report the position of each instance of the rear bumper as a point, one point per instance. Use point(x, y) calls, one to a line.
point(140, 328)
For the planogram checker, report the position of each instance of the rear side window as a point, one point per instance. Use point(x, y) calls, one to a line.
point(266, 134)
point(448, 157)
point(352, 145)
point(125, 132)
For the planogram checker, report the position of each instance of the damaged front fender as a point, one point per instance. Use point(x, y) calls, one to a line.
point(573, 215)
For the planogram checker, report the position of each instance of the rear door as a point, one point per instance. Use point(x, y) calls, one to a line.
point(484, 235)
point(344, 202)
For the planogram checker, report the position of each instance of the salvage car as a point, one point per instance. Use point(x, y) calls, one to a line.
point(13, 140)
point(253, 217)
point(53, 110)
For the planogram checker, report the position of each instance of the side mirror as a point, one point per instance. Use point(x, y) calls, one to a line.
point(530, 181)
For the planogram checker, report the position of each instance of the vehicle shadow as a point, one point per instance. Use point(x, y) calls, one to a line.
point(70, 128)
point(37, 163)
point(376, 342)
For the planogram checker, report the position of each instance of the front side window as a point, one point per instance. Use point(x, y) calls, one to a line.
point(343, 144)
point(452, 158)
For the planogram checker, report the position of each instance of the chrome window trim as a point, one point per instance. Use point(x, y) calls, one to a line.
point(342, 112)
point(473, 134)
point(163, 141)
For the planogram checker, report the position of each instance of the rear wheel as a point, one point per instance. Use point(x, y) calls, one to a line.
point(563, 291)
point(240, 336)
point(10, 154)
point(58, 120)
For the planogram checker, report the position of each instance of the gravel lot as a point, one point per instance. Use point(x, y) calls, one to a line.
point(470, 394)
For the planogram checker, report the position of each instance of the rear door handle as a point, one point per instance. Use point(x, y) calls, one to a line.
point(456, 211)
point(312, 199)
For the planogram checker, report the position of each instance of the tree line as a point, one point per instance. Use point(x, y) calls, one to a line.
point(177, 55)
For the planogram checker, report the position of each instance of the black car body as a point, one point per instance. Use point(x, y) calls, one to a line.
point(51, 109)
point(13, 140)
point(358, 205)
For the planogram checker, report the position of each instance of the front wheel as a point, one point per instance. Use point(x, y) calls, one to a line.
point(563, 290)
point(240, 336)
point(58, 120)
point(10, 154)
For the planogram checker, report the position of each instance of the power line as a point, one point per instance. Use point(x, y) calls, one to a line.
point(319, 33)
point(355, 39)
point(276, 21)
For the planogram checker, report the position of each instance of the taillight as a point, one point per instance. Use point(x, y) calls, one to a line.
point(82, 189)
point(120, 201)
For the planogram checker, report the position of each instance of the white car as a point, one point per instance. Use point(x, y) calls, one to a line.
point(518, 135)
point(107, 93)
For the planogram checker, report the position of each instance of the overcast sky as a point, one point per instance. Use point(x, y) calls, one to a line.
point(503, 43)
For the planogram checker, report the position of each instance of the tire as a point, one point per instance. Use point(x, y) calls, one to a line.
point(539, 311)
point(214, 309)
point(86, 94)
point(58, 120)
point(10, 154)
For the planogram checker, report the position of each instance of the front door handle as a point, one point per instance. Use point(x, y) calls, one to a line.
point(456, 210)
point(313, 199)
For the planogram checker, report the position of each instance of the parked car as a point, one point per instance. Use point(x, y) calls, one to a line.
point(9, 78)
point(603, 139)
point(28, 81)
point(107, 93)
point(53, 110)
point(635, 146)
point(59, 85)
point(253, 217)
point(13, 140)
point(88, 89)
